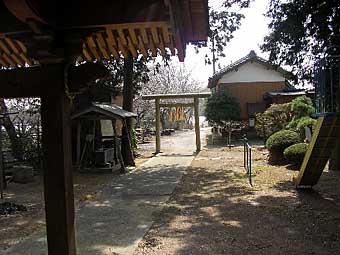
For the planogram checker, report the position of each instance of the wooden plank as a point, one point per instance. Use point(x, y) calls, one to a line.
point(58, 184)
point(166, 35)
point(111, 42)
point(144, 34)
point(78, 142)
point(2, 63)
point(122, 36)
point(86, 54)
point(110, 37)
point(197, 124)
point(154, 34)
point(22, 47)
point(174, 96)
point(17, 60)
point(161, 47)
point(12, 46)
point(133, 36)
point(158, 126)
point(2, 173)
point(8, 60)
point(132, 48)
point(121, 48)
point(102, 45)
point(141, 47)
point(152, 48)
point(93, 48)
point(309, 151)
point(176, 105)
point(25, 59)
point(4, 47)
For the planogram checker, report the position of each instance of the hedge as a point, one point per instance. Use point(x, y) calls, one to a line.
point(282, 139)
point(295, 153)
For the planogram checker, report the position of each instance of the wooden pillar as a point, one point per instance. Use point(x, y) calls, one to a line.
point(158, 126)
point(197, 124)
point(58, 184)
point(2, 171)
point(78, 141)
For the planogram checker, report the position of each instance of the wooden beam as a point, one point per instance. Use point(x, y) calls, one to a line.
point(144, 35)
point(93, 48)
point(152, 47)
point(177, 105)
point(58, 184)
point(122, 36)
point(78, 141)
point(132, 49)
point(2, 172)
point(174, 96)
point(142, 47)
point(154, 33)
point(158, 126)
point(197, 125)
point(166, 35)
point(122, 48)
point(111, 42)
point(102, 45)
point(133, 35)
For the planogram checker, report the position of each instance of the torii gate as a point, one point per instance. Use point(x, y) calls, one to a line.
point(158, 105)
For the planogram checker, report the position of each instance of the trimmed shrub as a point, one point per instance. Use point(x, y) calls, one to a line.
point(295, 153)
point(282, 139)
point(278, 142)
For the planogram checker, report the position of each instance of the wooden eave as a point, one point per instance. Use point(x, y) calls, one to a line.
point(134, 38)
point(98, 30)
point(103, 112)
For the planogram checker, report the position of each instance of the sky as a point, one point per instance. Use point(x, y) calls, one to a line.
point(249, 37)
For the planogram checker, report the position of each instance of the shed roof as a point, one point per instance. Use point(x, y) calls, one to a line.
point(252, 56)
point(106, 110)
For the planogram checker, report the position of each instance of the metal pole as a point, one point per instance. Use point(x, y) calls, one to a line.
point(244, 152)
point(250, 167)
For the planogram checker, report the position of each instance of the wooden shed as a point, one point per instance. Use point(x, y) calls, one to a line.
point(98, 146)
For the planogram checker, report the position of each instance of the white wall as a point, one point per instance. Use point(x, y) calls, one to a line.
point(252, 72)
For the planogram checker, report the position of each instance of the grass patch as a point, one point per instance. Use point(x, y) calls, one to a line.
point(260, 168)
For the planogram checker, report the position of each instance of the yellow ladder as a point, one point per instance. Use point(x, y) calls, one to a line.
point(319, 150)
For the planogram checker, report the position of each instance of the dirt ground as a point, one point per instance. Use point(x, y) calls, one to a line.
point(214, 210)
point(15, 227)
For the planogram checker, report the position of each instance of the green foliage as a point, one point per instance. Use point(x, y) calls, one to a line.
point(134, 140)
point(301, 32)
point(300, 107)
point(274, 119)
point(295, 153)
point(282, 139)
point(221, 109)
point(304, 122)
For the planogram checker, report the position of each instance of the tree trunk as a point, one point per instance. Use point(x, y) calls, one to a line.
point(128, 106)
point(16, 144)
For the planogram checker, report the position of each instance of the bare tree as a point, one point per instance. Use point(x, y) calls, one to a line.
point(170, 79)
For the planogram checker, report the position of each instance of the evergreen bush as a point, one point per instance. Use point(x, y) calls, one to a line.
point(295, 153)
